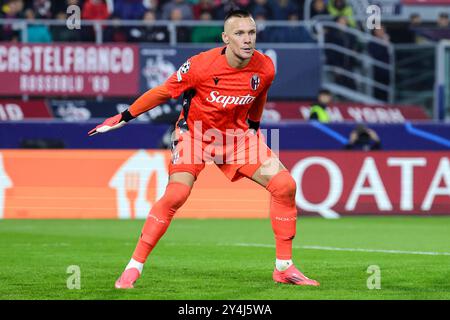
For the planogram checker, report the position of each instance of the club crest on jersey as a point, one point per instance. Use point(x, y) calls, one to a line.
point(255, 81)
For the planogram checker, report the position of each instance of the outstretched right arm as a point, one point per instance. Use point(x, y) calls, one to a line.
point(180, 81)
point(145, 102)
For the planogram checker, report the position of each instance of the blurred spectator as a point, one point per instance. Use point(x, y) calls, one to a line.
point(92, 10)
point(115, 32)
point(282, 9)
point(12, 9)
point(180, 5)
point(341, 8)
point(318, 7)
point(225, 6)
point(203, 6)
point(298, 33)
point(61, 6)
point(131, 9)
point(150, 32)
point(363, 138)
point(342, 38)
point(183, 33)
point(380, 52)
point(290, 34)
point(300, 4)
point(61, 32)
point(261, 8)
point(95, 10)
point(440, 31)
point(443, 21)
point(318, 110)
point(243, 4)
point(262, 31)
point(206, 34)
point(37, 33)
point(42, 9)
point(411, 36)
point(415, 20)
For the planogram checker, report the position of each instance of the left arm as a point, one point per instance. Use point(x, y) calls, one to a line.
point(256, 110)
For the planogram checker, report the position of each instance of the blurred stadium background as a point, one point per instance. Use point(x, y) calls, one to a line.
point(57, 83)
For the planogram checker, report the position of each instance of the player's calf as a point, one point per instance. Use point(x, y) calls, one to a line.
point(283, 212)
point(154, 228)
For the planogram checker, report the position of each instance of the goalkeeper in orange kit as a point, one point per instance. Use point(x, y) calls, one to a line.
point(224, 93)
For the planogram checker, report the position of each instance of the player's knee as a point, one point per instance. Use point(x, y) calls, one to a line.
point(175, 196)
point(282, 186)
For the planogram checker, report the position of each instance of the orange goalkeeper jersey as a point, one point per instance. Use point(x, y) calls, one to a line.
point(218, 95)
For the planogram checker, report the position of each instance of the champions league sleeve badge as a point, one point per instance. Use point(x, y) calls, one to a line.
point(183, 69)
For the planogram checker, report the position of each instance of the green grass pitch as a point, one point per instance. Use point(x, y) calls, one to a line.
point(227, 259)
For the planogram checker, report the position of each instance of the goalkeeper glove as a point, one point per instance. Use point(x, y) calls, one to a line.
point(116, 122)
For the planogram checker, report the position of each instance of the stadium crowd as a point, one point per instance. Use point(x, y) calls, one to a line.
point(205, 10)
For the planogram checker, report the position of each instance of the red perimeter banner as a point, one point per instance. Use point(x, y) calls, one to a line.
point(124, 184)
point(70, 70)
point(352, 183)
point(340, 112)
point(17, 110)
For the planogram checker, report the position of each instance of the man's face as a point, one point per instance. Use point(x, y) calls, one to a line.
point(443, 21)
point(176, 15)
point(319, 5)
point(149, 16)
point(416, 20)
point(240, 35)
point(324, 98)
point(342, 21)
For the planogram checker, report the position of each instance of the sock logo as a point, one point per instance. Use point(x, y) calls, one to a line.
point(285, 218)
point(157, 220)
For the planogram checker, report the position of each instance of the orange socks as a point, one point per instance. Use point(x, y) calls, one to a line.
point(283, 212)
point(159, 218)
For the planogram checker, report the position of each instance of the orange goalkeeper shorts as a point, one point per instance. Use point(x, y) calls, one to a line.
point(237, 156)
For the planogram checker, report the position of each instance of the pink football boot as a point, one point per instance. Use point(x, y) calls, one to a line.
point(127, 279)
point(293, 276)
